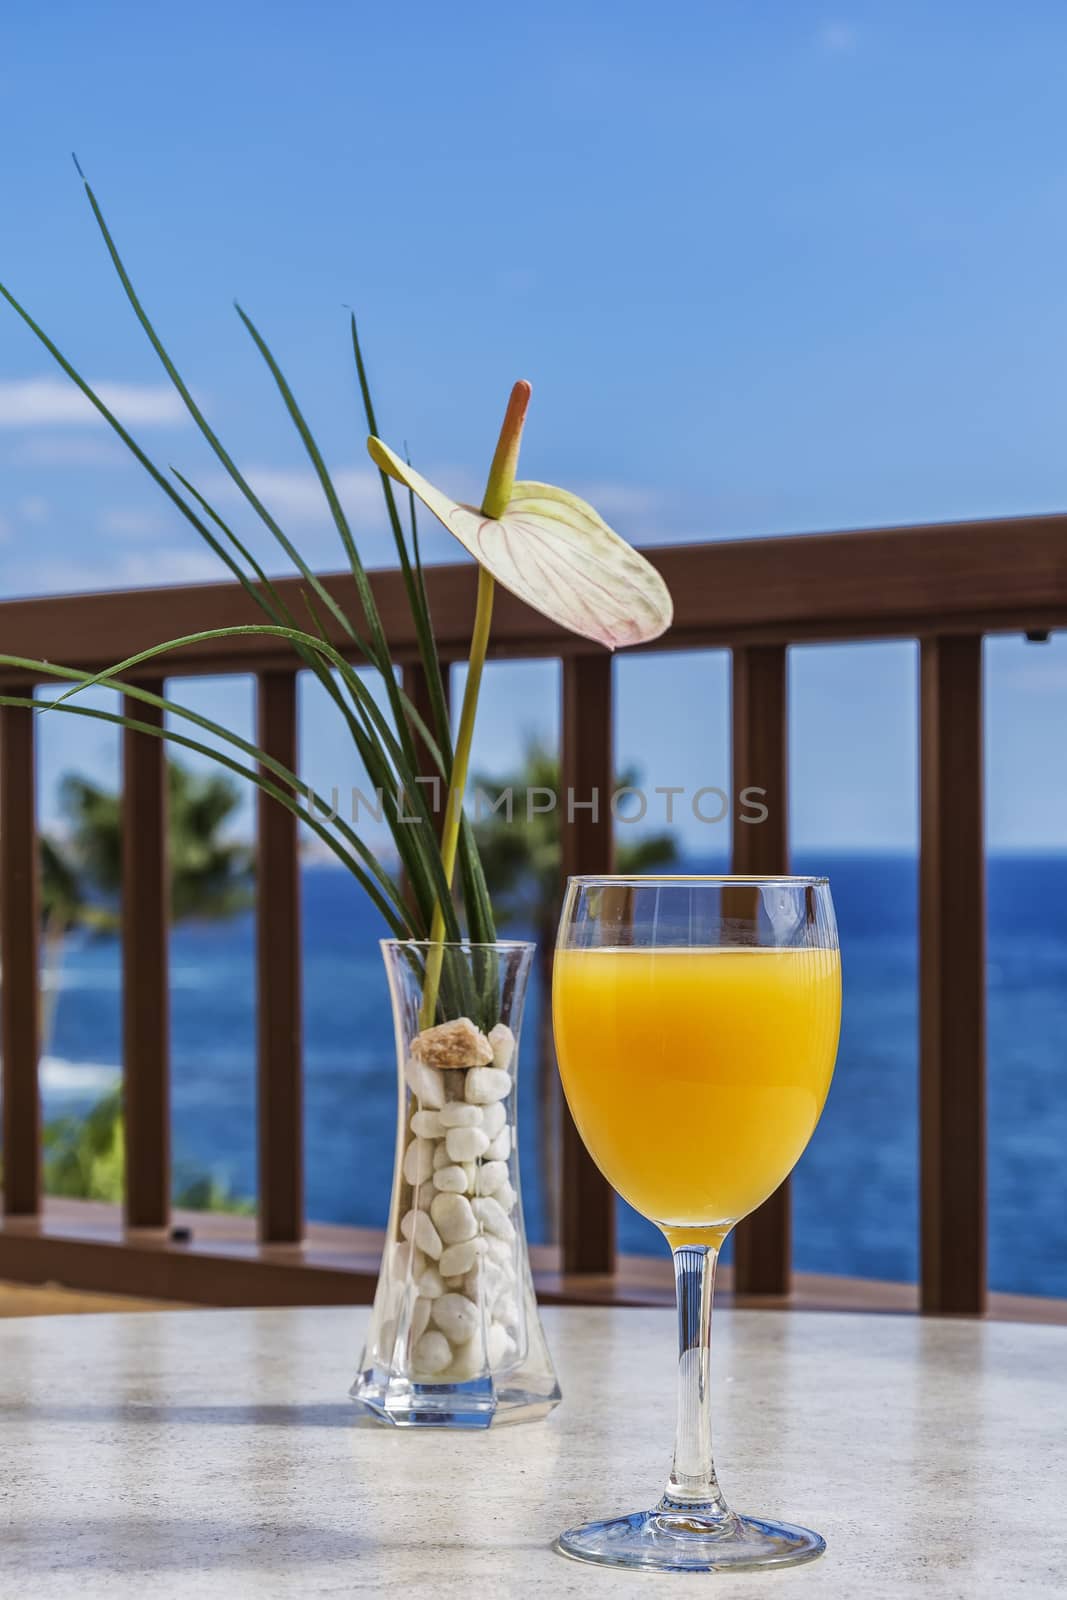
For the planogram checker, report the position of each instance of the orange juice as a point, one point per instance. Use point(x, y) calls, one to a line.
point(696, 1076)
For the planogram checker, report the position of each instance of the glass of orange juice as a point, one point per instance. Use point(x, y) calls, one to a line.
point(696, 1023)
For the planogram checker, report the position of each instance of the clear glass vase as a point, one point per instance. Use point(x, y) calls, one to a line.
point(455, 1339)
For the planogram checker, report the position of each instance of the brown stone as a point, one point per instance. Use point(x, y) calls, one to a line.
point(453, 1044)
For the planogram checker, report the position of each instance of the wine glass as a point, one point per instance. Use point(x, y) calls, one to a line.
point(696, 1023)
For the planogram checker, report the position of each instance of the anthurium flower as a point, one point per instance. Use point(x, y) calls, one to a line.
point(554, 551)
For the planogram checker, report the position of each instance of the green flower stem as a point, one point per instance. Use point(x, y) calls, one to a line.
point(497, 494)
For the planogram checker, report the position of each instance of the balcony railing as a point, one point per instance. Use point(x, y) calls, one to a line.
point(946, 585)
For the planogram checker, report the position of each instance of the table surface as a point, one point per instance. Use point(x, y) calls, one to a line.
point(214, 1453)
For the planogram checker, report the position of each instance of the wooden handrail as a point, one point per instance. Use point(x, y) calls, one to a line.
point(967, 577)
point(944, 584)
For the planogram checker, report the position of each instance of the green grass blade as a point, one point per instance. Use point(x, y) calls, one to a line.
point(414, 586)
point(400, 926)
point(415, 841)
point(380, 657)
point(278, 769)
point(208, 432)
point(131, 444)
point(280, 611)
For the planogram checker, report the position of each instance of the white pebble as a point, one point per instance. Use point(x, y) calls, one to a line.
point(493, 1218)
point(426, 1084)
point(417, 1225)
point(418, 1161)
point(420, 1318)
point(486, 1084)
point(402, 1259)
point(502, 1042)
point(453, 1219)
point(500, 1251)
point(486, 1278)
point(385, 1341)
point(458, 1114)
point(492, 1175)
point(440, 1157)
point(457, 1317)
point(432, 1353)
point(424, 1196)
point(465, 1144)
point(458, 1259)
point(499, 1345)
point(469, 1360)
point(500, 1147)
point(505, 1197)
point(494, 1118)
point(428, 1125)
point(506, 1310)
point(428, 1282)
point(451, 1180)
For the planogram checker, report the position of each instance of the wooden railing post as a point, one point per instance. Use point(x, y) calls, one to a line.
point(952, 1108)
point(587, 1203)
point(762, 1241)
point(279, 1045)
point(145, 974)
point(435, 792)
point(417, 689)
point(20, 1009)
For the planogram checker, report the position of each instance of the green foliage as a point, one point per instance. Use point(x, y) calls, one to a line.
point(210, 875)
point(522, 857)
point(62, 896)
point(385, 741)
point(85, 1159)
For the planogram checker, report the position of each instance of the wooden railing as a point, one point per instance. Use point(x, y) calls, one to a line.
point(946, 585)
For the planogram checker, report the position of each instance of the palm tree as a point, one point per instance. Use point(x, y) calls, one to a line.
point(522, 858)
point(81, 880)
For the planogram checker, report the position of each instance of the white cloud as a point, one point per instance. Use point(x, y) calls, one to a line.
point(54, 575)
point(51, 402)
point(298, 495)
point(66, 450)
point(171, 565)
point(294, 497)
point(621, 497)
point(838, 38)
point(123, 522)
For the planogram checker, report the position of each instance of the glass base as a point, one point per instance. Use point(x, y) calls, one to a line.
point(670, 1539)
point(481, 1403)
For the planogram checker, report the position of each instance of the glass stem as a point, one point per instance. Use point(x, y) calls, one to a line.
point(692, 1485)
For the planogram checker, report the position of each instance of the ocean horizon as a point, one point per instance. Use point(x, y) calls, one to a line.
point(856, 1210)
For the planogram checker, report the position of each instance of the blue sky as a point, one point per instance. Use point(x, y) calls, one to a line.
point(770, 268)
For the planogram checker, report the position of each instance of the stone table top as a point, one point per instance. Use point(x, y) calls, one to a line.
point(214, 1453)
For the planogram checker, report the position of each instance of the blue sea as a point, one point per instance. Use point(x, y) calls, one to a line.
point(856, 1190)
